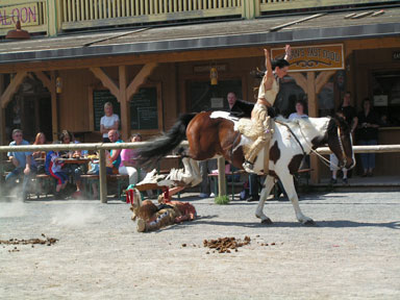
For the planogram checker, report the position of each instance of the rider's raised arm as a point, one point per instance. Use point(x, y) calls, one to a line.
point(269, 75)
point(288, 52)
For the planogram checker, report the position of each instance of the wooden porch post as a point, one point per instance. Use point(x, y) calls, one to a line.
point(54, 106)
point(103, 176)
point(6, 97)
point(123, 92)
point(312, 86)
point(50, 84)
point(124, 102)
point(221, 176)
point(313, 112)
point(2, 116)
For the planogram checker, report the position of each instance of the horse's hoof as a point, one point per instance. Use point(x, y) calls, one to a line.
point(267, 221)
point(309, 223)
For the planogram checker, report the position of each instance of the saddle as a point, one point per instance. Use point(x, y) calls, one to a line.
point(246, 127)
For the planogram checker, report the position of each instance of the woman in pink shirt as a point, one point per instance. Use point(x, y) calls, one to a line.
point(128, 162)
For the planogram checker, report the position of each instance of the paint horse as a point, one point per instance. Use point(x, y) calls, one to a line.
point(212, 134)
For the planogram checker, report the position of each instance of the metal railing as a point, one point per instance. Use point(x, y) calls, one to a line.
point(101, 147)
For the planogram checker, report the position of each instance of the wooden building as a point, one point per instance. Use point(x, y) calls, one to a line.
point(152, 59)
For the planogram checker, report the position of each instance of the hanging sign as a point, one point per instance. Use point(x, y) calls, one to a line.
point(313, 58)
point(26, 13)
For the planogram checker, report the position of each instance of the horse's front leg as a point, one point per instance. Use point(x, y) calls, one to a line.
point(288, 184)
point(268, 184)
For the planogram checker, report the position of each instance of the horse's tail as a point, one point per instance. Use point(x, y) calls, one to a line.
point(161, 146)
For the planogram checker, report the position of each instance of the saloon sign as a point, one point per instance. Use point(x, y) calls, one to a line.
point(26, 13)
point(313, 58)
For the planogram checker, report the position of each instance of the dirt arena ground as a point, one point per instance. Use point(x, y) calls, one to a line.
point(353, 252)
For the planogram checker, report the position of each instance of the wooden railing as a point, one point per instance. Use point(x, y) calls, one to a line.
point(95, 13)
point(277, 5)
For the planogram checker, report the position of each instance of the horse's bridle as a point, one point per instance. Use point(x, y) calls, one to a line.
point(341, 146)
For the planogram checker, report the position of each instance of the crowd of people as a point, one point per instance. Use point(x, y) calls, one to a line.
point(67, 173)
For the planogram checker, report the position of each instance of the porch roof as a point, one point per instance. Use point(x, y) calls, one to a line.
point(227, 34)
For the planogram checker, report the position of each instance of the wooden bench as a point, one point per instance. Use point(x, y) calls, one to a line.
point(89, 179)
point(215, 176)
point(45, 184)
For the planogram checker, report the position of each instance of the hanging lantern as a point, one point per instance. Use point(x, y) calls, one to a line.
point(58, 85)
point(214, 76)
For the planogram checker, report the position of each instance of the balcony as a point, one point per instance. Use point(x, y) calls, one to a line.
point(61, 16)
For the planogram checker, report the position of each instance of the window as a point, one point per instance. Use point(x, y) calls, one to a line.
point(386, 96)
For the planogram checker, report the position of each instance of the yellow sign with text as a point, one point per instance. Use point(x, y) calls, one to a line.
point(27, 14)
point(313, 58)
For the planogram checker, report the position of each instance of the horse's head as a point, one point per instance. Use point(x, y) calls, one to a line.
point(340, 142)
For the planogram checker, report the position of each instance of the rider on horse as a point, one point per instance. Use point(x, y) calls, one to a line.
point(267, 92)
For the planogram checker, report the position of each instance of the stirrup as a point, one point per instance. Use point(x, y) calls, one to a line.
point(248, 167)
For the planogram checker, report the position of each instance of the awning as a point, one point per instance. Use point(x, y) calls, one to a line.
point(330, 26)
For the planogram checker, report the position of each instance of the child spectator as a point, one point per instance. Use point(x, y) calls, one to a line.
point(75, 170)
point(53, 167)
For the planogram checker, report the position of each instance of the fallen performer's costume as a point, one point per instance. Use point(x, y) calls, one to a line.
point(152, 217)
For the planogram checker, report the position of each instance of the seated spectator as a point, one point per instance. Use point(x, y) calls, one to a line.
point(73, 170)
point(24, 164)
point(108, 122)
point(128, 162)
point(53, 167)
point(113, 136)
point(38, 155)
point(94, 169)
point(367, 134)
point(299, 114)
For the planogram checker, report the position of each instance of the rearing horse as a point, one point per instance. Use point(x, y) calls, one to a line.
point(212, 134)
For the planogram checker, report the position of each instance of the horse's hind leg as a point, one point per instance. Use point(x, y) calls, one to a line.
point(290, 190)
point(268, 184)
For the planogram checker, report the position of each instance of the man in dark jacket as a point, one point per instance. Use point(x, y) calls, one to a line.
point(239, 108)
point(242, 109)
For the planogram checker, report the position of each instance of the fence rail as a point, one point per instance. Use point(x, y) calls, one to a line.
point(101, 147)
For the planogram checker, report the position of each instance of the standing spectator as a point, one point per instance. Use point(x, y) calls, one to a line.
point(239, 107)
point(113, 136)
point(348, 112)
point(299, 114)
point(367, 134)
point(243, 109)
point(206, 185)
point(24, 164)
point(108, 122)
